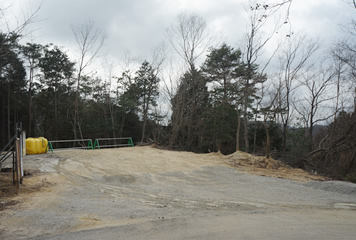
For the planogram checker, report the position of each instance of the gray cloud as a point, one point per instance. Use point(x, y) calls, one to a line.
point(140, 25)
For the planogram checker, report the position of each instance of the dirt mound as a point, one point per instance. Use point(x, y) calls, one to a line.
point(268, 167)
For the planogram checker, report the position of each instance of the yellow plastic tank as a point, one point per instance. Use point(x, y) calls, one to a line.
point(30, 146)
point(43, 145)
point(36, 145)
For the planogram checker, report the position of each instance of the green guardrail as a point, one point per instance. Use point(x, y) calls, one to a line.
point(50, 145)
point(97, 145)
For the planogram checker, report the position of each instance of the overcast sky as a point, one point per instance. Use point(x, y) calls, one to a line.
point(138, 26)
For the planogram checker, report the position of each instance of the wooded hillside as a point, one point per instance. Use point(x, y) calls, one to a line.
point(228, 102)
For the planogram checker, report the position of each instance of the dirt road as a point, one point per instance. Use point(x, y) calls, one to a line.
point(147, 193)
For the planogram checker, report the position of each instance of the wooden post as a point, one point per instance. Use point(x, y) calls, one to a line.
point(13, 168)
point(18, 165)
point(21, 154)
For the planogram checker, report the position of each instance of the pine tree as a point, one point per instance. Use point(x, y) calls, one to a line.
point(147, 86)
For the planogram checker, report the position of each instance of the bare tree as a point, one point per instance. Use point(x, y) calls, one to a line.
point(170, 81)
point(255, 40)
point(159, 55)
point(30, 16)
point(274, 5)
point(90, 41)
point(278, 4)
point(340, 68)
point(293, 63)
point(110, 100)
point(315, 98)
point(344, 56)
point(189, 37)
point(269, 111)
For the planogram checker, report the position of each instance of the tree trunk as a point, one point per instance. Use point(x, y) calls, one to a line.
point(238, 129)
point(284, 137)
point(310, 138)
point(337, 94)
point(3, 128)
point(107, 128)
point(113, 127)
point(145, 111)
point(190, 138)
point(247, 147)
point(144, 127)
point(56, 114)
point(176, 127)
point(122, 123)
point(311, 126)
point(286, 122)
point(8, 112)
point(30, 104)
point(30, 114)
point(80, 132)
point(268, 140)
point(76, 108)
point(255, 134)
point(144, 123)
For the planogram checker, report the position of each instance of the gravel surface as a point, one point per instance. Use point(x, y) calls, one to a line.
point(146, 193)
point(334, 186)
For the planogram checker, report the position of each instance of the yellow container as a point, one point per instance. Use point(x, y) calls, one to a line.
point(30, 146)
point(43, 145)
point(36, 145)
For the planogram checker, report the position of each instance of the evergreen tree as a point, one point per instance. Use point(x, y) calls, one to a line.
point(147, 86)
point(188, 106)
point(56, 92)
point(249, 79)
point(32, 53)
point(127, 94)
point(12, 85)
point(220, 70)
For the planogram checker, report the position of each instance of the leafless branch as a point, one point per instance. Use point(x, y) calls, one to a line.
point(29, 17)
point(190, 37)
point(90, 41)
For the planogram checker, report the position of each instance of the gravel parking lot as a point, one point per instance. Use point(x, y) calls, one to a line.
point(148, 193)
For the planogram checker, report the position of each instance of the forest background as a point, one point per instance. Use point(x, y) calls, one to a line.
point(276, 92)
